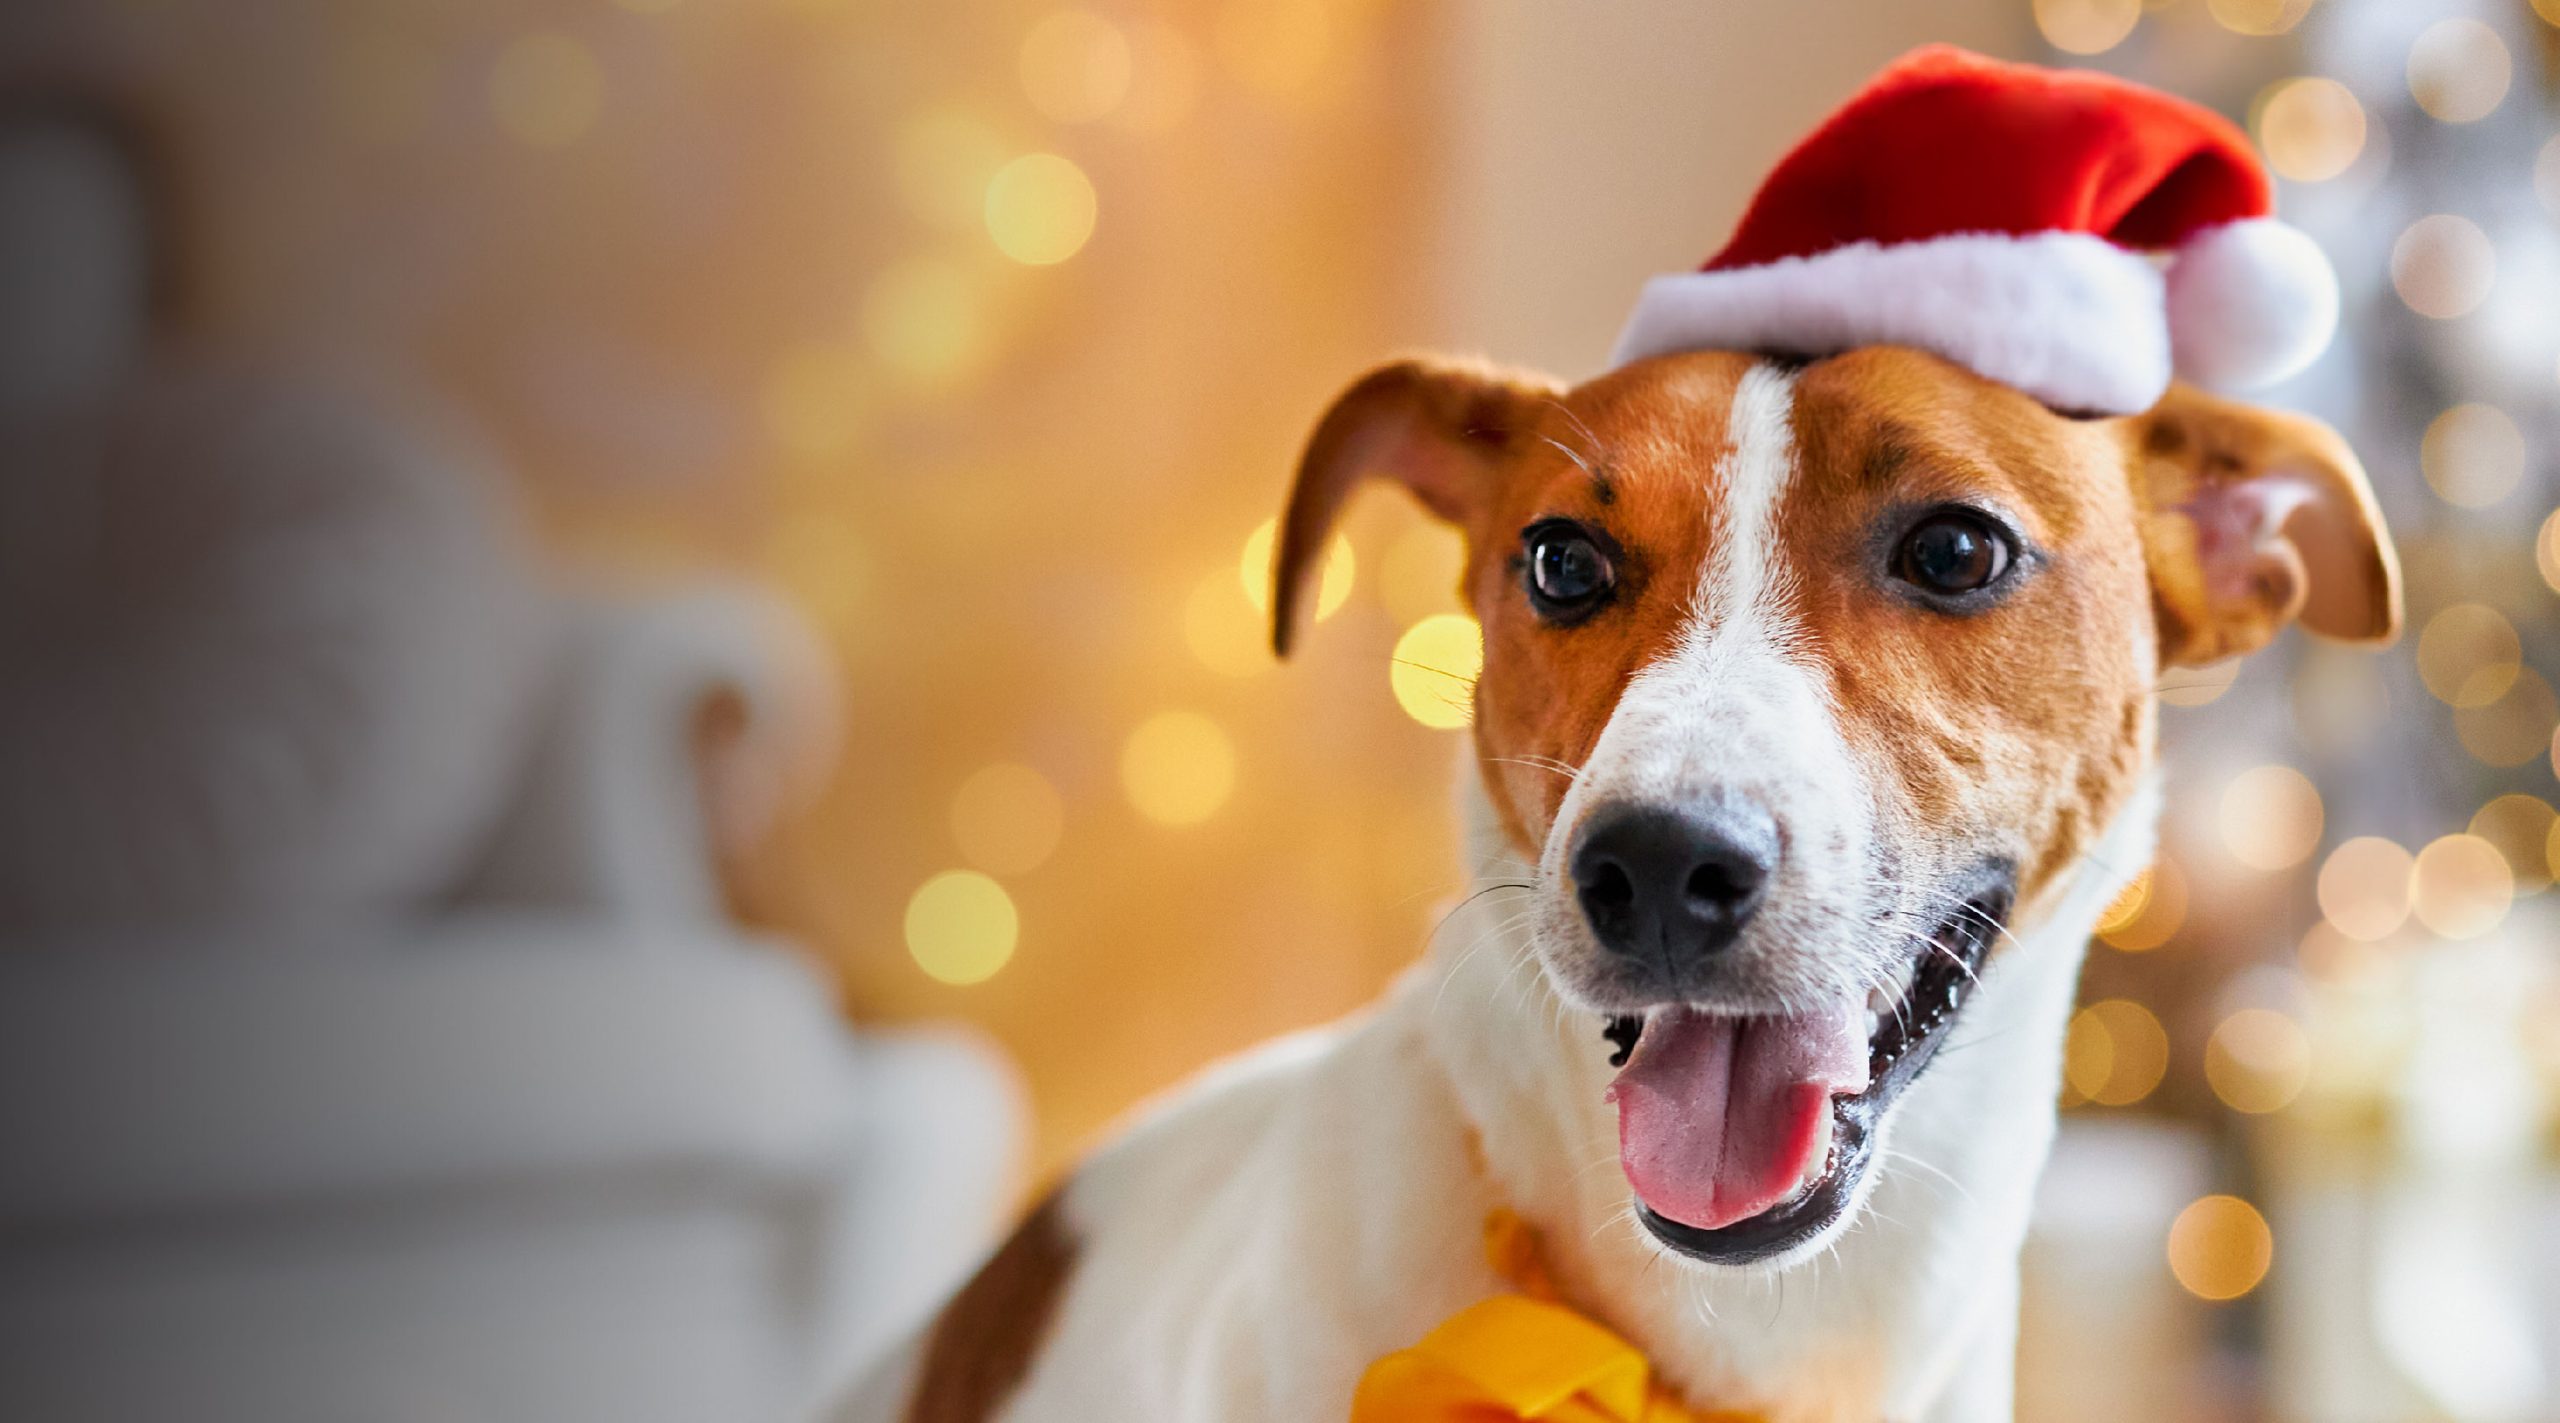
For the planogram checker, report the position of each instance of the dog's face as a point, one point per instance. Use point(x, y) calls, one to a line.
point(1800, 682)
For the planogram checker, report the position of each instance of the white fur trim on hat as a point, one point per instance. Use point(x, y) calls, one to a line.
point(2250, 303)
point(2069, 318)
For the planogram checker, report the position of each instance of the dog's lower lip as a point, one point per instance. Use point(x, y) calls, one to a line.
point(1903, 1046)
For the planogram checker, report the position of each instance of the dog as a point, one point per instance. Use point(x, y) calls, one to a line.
point(1815, 732)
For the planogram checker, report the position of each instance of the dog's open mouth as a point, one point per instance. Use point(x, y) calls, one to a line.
point(1745, 1137)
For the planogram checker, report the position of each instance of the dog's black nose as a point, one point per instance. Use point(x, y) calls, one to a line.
point(1670, 884)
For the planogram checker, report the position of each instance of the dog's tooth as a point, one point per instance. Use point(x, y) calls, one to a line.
point(1880, 1003)
point(1817, 1160)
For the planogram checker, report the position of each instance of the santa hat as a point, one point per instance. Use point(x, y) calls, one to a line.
point(2068, 233)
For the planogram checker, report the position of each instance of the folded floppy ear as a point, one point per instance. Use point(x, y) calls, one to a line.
point(2252, 518)
point(1441, 428)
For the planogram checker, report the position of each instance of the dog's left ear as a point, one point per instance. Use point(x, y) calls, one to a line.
point(2251, 519)
point(1441, 428)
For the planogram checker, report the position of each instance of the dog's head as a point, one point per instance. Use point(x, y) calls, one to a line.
point(1800, 682)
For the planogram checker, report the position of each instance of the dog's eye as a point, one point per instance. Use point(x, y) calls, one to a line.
point(1569, 573)
point(1953, 552)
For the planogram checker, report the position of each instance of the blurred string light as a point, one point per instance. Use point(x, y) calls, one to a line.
point(1418, 576)
point(2259, 17)
point(2197, 686)
point(2271, 817)
point(2443, 266)
point(2459, 71)
point(546, 89)
point(1075, 66)
point(2086, 26)
point(2513, 730)
point(2469, 655)
point(1007, 819)
point(944, 157)
point(2311, 129)
point(2115, 1053)
point(2220, 1248)
point(2521, 828)
point(2257, 1061)
point(925, 317)
point(2149, 912)
point(1254, 569)
point(814, 398)
point(2363, 888)
point(1178, 768)
point(2460, 887)
point(1040, 209)
point(2472, 455)
point(1434, 667)
point(961, 927)
point(1223, 628)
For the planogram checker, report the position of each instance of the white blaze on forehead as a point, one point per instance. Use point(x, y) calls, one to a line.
point(1744, 581)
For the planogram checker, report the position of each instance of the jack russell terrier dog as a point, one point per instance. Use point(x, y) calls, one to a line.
point(1814, 734)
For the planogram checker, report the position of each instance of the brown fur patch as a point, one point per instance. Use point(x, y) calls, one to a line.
point(982, 1344)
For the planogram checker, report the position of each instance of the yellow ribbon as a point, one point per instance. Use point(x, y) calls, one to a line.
point(1520, 1358)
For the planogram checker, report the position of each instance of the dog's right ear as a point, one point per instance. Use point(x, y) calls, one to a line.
point(1441, 428)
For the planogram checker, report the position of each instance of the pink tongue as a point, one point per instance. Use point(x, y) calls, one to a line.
point(1718, 1117)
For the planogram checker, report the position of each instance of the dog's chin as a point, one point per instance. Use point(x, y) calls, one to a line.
point(1904, 1036)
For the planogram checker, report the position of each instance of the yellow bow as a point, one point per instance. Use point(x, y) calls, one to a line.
point(1519, 1359)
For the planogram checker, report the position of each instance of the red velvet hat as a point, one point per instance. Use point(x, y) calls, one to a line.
point(2069, 233)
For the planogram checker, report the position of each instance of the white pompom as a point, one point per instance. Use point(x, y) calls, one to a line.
point(2250, 303)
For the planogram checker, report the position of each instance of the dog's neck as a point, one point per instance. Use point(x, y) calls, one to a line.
point(1881, 1324)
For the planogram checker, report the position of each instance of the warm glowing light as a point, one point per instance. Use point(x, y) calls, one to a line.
point(2549, 10)
point(2126, 907)
point(2220, 1248)
point(961, 927)
point(1164, 81)
point(2461, 887)
point(821, 561)
point(1178, 768)
point(547, 89)
point(2271, 817)
point(2546, 551)
point(1254, 567)
point(2459, 71)
point(2086, 26)
point(1433, 670)
point(2330, 957)
point(813, 398)
point(2157, 917)
point(2196, 686)
point(2259, 17)
point(1279, 49)
point(2364, 887)
point(2312, 129)
point(2115, 1053)
point(2514, 729)
point(1419, 574)
point(2469, 655)
point(923, 316)
point(1007, 819)
point(2521, 827)
point(1040, 209)
point(2473, 456)
point(1224, 630)
point(944, 158)
point(2443, 266)
point(1075, 66)
point(2257, 1061)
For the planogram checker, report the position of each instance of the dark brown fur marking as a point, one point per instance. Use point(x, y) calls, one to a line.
point(983, 1343)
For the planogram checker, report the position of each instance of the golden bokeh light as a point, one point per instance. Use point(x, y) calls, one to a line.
point(1433, 670)
point(2460, 887)
point(2271, 817)
point(1040, 209)
point(1007, 819)
point(546, 89)
point(1419, 574)
point(2127, 905)
point(2220, 1248)
point(814, 398)
point(1164, 79)
point(2155, 916)
point(2259, 17)
point(2520, 826)
point(2549, 10)
point(925, 317)
point(2443, 266)
point(2198, 686)
point(2469, 655)
point(1178, 768)
point(2312, 129)
point(2115, 1053)
point(2459, 71)
point(2329, 957)
point(2257, 1061)
point(2086, 26)
point(1225, 630)
point(961, 927)
point(1075, 66)
point(2364, 887)
point(944, 158)
point(2513, 730)
point(820, 559)
point(2472, 456)
point(1280, 50)
point(1254, 570)
point(2546, 551)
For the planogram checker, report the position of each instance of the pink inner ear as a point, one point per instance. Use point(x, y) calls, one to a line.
point(2238, 526)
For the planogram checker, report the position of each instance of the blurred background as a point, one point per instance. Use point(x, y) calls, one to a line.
point(632, 691)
